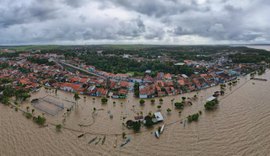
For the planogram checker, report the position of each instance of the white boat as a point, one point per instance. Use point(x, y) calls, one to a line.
point(157, 134)
point(162, 129)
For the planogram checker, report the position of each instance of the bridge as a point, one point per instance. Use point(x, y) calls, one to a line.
point(82, 70)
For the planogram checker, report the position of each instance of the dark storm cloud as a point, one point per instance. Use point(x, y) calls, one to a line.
point(166, 21)
point(158, 8)
point(20, 14)
point(75, 3)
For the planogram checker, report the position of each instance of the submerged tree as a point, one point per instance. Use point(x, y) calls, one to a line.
point(142, 101)
point(76, 97)
point(179, 105)
point(169, 110)
point(152, 101)
point(58, 127)
point(211, 105)
point(160, 100)
point(104, 100)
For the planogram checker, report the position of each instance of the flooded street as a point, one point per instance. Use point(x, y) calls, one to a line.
point(240, 126)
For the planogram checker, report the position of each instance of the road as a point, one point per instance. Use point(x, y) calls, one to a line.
point(80, 69)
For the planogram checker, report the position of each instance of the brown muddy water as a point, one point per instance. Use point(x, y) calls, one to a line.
point(240, 126)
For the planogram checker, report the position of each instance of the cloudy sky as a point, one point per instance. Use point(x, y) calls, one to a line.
point(134, 21)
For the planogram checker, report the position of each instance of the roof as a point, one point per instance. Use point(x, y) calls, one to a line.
point(181, 82)
point(158, 116)
point(102, 91)
point(167, 76)
point(123, 91)
point(124, 84)
point(179, 64)
point(211, 98)
point(72, 85)
point(25, 81)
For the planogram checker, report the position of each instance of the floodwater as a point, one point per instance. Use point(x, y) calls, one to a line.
point(240, 126)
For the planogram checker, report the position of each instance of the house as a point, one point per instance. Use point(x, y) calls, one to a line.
point(184, 76)
point(121, 93)
point(147, 91)
point(148, 72)
point(124, 84)
point(181, 82)
point(168, 76)
point(143, 92)
point(211, 98)
point(71, 87)
point(101, 92)
point(160, 76)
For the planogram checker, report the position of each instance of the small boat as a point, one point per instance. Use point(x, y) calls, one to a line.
point(162, 129)
point(92, 140)
point(80, 135)
point(98, 141)
point(127, 141)
point(157, 134)
point(115, 143)
point(103, 140)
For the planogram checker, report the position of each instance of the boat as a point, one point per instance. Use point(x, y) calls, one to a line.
point(162, 129)
point(157, 134)
point(127, 141)
point(103, 140)
point(98, 141)
point(80, 135)
point(115, 143)
point(92, 140)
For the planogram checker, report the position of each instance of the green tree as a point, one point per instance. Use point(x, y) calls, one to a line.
point(136, 126)
point(58, 127)
point(183, 98)
point(76, 97)
point(169, 110)
point(5, 100)
point(193, 117)
point(148, 121)
point(179, 105)
point(104, 100)
point(40, 120)
point(211, 105)
point(136, 89)
point(142, 101)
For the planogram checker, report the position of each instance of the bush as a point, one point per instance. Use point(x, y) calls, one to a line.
point(152, 101)
point(28, 115)
point(39, 120)
point(5, 100)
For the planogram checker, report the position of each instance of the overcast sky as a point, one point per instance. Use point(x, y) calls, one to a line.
point(134, 21)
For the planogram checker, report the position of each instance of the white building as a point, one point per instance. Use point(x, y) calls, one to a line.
point(158, 116)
